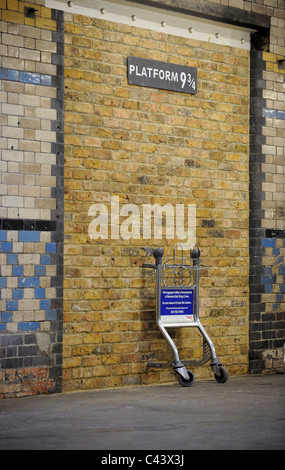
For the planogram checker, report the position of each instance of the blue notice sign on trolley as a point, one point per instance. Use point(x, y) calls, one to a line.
point(176, 305)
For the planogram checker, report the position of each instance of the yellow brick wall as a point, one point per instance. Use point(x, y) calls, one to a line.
point(12, 11)
point(145, 146)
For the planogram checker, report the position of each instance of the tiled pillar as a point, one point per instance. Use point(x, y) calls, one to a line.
point(31, 194)
point(267, 229)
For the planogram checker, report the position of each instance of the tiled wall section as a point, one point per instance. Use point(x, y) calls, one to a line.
point(267, 250)
point(274, 145)
point(28, 115)
point(31, 311)
point(31, 191)
point(26, 292)
point(273, 186)
point(27, 311)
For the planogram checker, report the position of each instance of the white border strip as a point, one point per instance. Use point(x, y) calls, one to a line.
point(176, 24)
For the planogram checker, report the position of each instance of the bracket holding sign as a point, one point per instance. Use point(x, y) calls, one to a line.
point(155, 74)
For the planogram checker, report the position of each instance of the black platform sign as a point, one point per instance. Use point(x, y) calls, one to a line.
point(154, 74)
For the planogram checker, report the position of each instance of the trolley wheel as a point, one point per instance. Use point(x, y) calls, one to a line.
point(223, 377)
point(189, 382)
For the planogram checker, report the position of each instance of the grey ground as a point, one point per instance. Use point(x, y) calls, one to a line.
point(245, 413)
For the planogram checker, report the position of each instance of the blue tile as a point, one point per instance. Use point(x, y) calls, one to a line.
point(12, 258)
point(40, 270)
point(45, 304)
point(3, 282)
point(46, 80)
point(50, 247)
point(276, 251)
point(40, 293)
point(268, 288)
point(18, 270)
point(282, 288)
point(6, 247)
point(269, 242)
point(18, 294)
point(29, 326)
point(280, 114)
point(270, 113)
point(3, 327)
point(282, 270)
point(50, 315)
point(29, 282)
point(45, 259)
point(28, 77)
point(25, 77)
point(3, 235)
point(29, 236)
point(268, 279)
point(13, 75)
point(6, 317)
point(12, 305)
point(3, 74)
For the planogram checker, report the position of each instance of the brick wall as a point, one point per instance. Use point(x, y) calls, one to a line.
point(30, 194)
point(145, 146)
point(148, 146)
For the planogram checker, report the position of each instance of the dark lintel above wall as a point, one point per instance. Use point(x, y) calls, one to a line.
point(212, 11)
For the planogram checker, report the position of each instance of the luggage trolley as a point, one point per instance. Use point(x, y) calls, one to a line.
point(177, 306)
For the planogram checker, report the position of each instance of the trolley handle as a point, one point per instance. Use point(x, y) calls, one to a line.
point(149, 265)
point(157, 254)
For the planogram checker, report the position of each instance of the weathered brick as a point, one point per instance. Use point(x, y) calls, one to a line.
point(13, 16)
point(143, 158)
point(143, 145)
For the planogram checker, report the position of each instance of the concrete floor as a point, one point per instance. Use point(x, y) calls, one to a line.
point(244, 413)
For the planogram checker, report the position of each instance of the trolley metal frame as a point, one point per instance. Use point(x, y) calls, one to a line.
point(174, 275)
